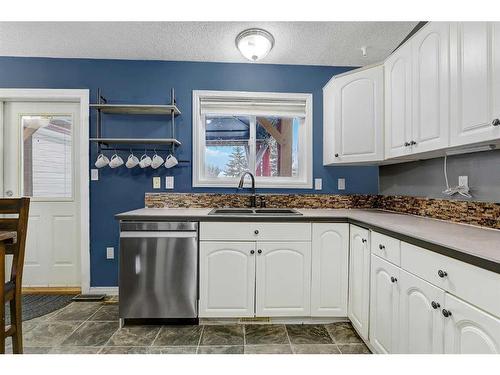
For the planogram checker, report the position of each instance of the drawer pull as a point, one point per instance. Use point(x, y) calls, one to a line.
point(381, 247)
point(393, 279)
point(363, 240)
point(435, 305)
point(442, 273)
point(446, 313)
point(259, 251)
point(252, 252)
point(256, 231)
point(495, 122)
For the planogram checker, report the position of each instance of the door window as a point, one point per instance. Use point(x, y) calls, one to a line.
point(47, 145)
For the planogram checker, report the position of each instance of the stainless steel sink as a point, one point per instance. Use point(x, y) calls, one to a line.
point(255, 211)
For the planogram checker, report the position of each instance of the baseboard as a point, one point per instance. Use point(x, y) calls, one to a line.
point(51, 290)
point(273, 320)
point(108, 290)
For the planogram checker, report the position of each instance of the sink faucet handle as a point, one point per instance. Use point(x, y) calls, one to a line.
point(262, 200)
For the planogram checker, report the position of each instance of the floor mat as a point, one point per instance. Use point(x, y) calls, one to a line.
point(35, 305)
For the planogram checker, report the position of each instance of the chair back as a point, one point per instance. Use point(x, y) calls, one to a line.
point(15, 207)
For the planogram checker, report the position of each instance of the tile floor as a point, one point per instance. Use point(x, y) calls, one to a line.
point(91, 328)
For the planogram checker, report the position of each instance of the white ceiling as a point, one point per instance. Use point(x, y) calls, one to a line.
point(307, 43)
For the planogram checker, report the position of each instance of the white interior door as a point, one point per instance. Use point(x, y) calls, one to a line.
point(40, 162)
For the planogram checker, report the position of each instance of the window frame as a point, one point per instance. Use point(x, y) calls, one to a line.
point(305, 178)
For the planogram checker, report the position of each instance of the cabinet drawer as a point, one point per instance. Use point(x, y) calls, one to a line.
point(473, 284)
point(249, 231)
point(386, 247)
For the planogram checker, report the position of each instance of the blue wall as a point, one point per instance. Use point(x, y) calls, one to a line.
point(149, 82)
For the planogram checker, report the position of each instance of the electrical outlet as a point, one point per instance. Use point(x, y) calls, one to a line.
point(156, 182)
point(94, 174)
point(169, 182)
point(110, 253)
point(318, 184)
point(341, 183)
point(463, 181)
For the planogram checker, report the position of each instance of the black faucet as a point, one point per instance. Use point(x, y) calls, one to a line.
point(253, 197)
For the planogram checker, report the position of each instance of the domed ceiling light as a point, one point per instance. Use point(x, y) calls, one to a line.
point(254, 44)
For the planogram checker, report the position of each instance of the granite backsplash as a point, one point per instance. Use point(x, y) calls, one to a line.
point(476, 213)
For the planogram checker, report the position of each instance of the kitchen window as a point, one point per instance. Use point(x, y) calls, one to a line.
point(268, 134)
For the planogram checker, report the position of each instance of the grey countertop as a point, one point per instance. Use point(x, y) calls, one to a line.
point(478, 246)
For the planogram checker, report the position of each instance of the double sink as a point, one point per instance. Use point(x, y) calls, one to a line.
point(255, 212)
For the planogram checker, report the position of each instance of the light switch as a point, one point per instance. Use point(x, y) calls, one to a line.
point(94, 174)
point(156, 182)
point(110, 253)
point(341, 183)
point(169, 182)
point(318, 184)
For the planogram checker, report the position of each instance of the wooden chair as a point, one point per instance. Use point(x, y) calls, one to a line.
point(11, 290)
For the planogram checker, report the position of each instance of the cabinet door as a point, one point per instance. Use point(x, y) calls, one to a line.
point(398, 102)
point(359, 280)
point(384, 306)
point(330, 251)
point(227, 279)
point(430, 88)
point(474, 82)
point(420, 318)
point(283, 279)
point(469, 330)
point(357, 117)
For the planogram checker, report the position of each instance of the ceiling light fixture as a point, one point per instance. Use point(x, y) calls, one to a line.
point(254, 44)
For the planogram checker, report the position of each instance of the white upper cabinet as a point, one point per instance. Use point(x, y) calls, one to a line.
point(420, 318)
point(330, 258)
point(430, 87)
point(398, 102)
point(283, 281)
point(475, 82)
point(227, 279)
point(359, 280)
point(384, 306)
point(469, 330)
point(353, 117)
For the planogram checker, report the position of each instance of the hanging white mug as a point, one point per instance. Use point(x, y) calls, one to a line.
point(157, 161)
point(132, 161)
point(101, 161)
point(115, 161)
point(145, 161)
point(171, 161)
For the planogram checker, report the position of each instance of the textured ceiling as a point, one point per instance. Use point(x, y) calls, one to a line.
point(307, 43)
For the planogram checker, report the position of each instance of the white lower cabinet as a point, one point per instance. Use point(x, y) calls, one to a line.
point(330, 259)
point(359, 279)
point(384, 306)
point(469, 330)
point(227, 279)
point(283, 279)
point(420, 317)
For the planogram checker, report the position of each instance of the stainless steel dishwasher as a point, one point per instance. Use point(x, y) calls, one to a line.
point(158, 270)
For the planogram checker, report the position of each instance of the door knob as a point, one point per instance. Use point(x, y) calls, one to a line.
point(381, 247)
point(256, 231)
point(9, 193)
point(336, 155)
point(442, 273)
point(363, 240)
point(413, 143)
point(259, 251)
point(393, 279)
point(252, 252)
point(407, 144)
point(435, 305)
point(446, 313)
point(495, 122)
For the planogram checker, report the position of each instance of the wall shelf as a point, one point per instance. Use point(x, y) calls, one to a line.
point(103, 107)
point(137, 109)
point(135, 141)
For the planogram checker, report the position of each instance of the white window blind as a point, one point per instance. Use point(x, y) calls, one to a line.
point(252, 106)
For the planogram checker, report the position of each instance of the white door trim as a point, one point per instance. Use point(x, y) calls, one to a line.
point(66, 95)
